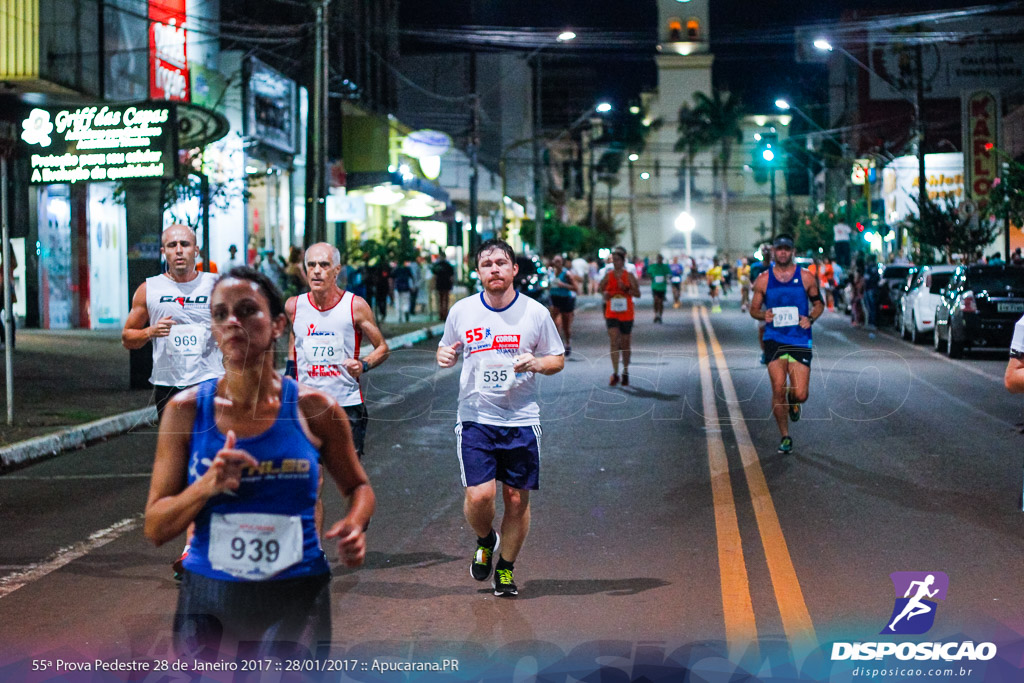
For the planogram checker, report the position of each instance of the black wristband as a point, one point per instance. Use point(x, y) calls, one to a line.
point(366, 367)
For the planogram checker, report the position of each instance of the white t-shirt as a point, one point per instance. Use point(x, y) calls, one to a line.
point(490, 391)
point(841, 232)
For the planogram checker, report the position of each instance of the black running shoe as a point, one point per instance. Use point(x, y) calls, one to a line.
point(794, 408)
point(786, 446)
point(483, 558)
point(504, 585)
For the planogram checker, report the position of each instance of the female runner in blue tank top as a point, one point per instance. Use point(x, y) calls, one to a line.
point(240, 456)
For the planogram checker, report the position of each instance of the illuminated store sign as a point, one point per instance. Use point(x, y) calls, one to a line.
point(981, 117)
point(100, 143)
point(270, 106)
point(168, 59)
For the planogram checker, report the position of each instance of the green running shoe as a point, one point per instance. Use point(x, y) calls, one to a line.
point(504, 585)
point(786, 446)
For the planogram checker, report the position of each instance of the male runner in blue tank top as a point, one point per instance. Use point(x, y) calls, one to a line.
point(787, 299)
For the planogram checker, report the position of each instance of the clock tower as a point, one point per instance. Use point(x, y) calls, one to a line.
point(684, 63)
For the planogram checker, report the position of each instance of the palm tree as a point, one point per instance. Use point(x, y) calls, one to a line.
point(720, 115)
point(693, 139)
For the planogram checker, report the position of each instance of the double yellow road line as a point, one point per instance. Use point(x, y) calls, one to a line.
point(740, 622)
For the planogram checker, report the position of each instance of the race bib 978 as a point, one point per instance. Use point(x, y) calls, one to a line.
point(785, 316)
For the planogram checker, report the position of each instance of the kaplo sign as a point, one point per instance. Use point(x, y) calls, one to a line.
point(981, 128)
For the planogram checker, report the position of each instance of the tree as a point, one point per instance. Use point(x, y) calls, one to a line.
point(693, 138)
point(563, 238)
point(1007, 198)
point(721, 115)
point(950, 230)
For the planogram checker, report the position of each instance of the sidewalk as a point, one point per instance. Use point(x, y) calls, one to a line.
point(71, 388)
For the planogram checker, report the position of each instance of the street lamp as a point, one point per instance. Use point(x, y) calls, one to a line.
point(685, 224)
point(633, 158)
point(539, 190)
point(917, 102)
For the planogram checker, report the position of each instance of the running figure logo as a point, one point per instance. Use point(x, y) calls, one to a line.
point(914, 612)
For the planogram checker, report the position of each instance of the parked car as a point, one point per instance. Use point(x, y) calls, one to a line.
point(890, 288)
point(532, 278)
point(917, 308)
point(897, 321)
point(979, 307)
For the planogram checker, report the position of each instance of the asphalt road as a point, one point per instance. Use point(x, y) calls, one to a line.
point(668, 533)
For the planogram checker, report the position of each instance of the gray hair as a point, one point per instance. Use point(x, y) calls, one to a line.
point(335, 252)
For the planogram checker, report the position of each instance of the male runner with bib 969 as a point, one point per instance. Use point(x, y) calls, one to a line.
point(173, 311)
point(792, 302)
point(506, 340)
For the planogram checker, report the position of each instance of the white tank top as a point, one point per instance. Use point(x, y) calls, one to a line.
point(188, 355)
point(323, 339)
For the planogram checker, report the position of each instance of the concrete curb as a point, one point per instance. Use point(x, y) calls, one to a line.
point(80, 436)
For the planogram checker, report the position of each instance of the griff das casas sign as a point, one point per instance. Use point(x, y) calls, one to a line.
point(100, 143)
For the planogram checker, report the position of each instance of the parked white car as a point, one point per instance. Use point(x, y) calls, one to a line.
point(917, 314)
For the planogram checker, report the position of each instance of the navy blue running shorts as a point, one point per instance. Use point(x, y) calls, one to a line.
point(508, 454)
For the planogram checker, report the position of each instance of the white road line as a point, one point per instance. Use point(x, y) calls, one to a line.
point(74, 477)
point(12, 582)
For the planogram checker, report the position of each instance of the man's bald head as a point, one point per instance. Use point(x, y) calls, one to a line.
point(175, 232)
point(178, 246)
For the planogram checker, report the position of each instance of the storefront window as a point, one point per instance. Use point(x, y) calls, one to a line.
point(55, 276)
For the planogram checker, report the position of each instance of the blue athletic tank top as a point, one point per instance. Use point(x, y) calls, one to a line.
point(285, 485)
point(562, 292)
point(792, 293)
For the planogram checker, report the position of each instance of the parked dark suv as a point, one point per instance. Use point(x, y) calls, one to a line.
point(890, 289)
point(979, 307)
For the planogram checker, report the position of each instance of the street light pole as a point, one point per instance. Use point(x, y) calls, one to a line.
point(474, 147)
point(316, 202)
point(919, 126)
point(538, 171)
point(774, 210)
point(922, 177)
point(632, 203)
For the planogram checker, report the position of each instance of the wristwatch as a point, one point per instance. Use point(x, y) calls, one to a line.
point(366, 367)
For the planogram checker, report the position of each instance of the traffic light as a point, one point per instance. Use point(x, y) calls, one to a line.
point(766, 155)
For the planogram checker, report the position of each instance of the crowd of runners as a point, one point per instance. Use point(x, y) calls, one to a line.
point(243, 446)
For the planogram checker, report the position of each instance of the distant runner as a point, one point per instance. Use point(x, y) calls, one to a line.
point(792, 303)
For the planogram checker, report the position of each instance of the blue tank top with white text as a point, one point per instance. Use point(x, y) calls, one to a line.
point(791, 293)
point(285, 483)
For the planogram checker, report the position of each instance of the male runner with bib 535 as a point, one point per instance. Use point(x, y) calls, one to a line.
point(791, 303)
point(506, 340)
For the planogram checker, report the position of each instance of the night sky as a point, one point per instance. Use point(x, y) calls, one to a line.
point(751, 39)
